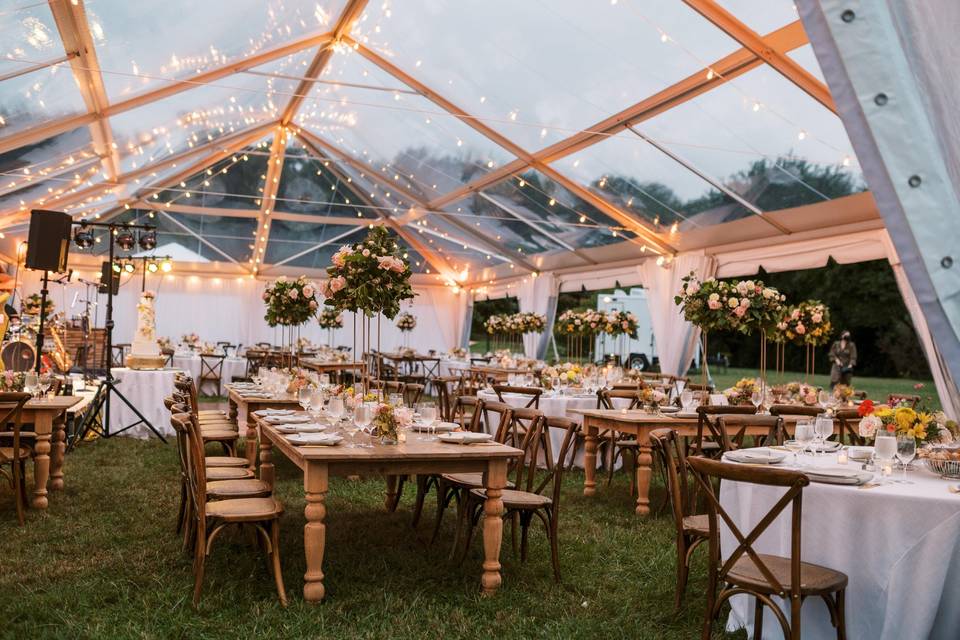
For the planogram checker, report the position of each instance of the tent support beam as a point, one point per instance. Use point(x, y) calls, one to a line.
point(785, 65)
point(727, 68)
point(270, 187)
point(198, 237)
point(319, 245)
point(348, 17)
point(71, 19)
point(634, 224)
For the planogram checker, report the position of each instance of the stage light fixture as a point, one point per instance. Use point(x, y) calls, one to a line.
point(125, 240)
point(166, 266)
point(128, 267)
point(116, 267)
point(83, 237)
point(152, 267)
point(148, 240)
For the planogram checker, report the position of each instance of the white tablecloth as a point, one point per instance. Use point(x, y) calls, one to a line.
point(899, 544)
point(145, 390)
point(554, 406)
point(231, 367)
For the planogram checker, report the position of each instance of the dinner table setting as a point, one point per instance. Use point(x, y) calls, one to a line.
point(886, 515)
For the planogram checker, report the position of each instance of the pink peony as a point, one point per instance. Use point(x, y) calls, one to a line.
point(800, 329)
point(795, 315)
point(366, 253)
point(294, 294)
point(313, 305)
point(308, 291)
point(740, 312)
point(338, 283)
point(714, 304)
point(817, 318)
point(324, 287)
point(693, 287)
point(868, 426)
point(266, 296)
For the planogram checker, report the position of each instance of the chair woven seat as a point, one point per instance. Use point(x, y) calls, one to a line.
point(814, 579)
point(233, 489)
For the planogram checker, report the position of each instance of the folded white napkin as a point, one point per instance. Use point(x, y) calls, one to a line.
point(756, 456)
point(838, 476)
point(438, 427)
point(314, 439)
point(273, 412)
point(288, 419)
point(466, 437)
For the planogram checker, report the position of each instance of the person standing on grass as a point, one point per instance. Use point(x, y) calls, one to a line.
point(843, 358)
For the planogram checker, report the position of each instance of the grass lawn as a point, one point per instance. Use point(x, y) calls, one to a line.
point(103, 561)
point(876, 388)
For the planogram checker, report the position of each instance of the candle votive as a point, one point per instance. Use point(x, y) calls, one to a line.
point(886, 469)
point(842, 456)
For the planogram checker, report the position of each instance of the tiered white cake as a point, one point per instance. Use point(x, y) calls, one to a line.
point(145, 351)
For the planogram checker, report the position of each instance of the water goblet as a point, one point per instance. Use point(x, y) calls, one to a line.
point(303, 397)
point(804, 435)
point(884, 450)
point(317, 398)
point(30, 383)
point(335, 409)
point(362, 417)
point(686, 399)
point(44, 382)
point(428, 416)
point(906, 451)
point(756, 398)
point(823, 427)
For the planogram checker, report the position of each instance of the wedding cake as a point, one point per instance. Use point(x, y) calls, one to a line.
point(145, 351)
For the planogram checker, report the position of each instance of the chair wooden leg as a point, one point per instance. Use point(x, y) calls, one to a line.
point(275, 557)
point(463, 504)
point(682, 573)
point(18, 494)
point(422, 487)
point(757, 619)
point(524, 531)
point(199, 560)
point(182, 508)
point(514, 532)
point(443, 499)
point(841, 615)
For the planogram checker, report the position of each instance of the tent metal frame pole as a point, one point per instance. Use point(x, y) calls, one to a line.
point(270, 187)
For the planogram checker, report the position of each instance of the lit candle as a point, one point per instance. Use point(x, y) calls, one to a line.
point(886, 469)
point(842, 456)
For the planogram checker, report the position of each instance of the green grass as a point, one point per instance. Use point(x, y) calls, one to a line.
point(877, 388)
point(103, 561)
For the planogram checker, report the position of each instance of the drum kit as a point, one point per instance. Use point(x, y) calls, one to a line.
point(18, 348)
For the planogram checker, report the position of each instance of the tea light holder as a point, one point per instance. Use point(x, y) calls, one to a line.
point(843, 457)
point(886, 469)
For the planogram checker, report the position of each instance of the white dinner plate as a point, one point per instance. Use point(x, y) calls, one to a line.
point(314, 439)
point(439, 427)
point(756, 455)
point(837, 475)
point(669, 409)
point(288, 419)
point(860, 454)
point(309, 427)
point(273, 412)
point(828, 447)
point(465, 437)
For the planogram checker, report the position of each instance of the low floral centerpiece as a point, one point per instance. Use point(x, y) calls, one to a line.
point(742, 392)
point(844, 393)
point(165, 343)
point(927, 427)
point(802, 392)
point(651, 398)
point(387, 422)
point(191, 340)
point(11, 381)
point(458, 352)
point(570, 373)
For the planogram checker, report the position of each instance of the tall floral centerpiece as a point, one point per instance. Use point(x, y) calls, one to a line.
point(329, 319)
point(406, 322)
point(370, 277)
point(620, 325)
point(575, 326)
point(705, 304)
point(758, 308)
point(808, 325)
point(290, 303)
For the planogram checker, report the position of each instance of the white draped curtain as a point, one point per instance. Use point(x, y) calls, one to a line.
point(538, 295)
point(231, 309)
point(676, 338)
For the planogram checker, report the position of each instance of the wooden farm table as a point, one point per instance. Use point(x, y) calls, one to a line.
point(430, 364)
point(329, 366)
point(49, 423)
point(237, 401)
point(640, 424)
point(415, 456)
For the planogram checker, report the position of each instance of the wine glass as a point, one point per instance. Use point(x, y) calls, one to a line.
point(30, 383)
point(44, 382)
point(823, 397)
point(823, 427)
point(317, 397)
point(335, 409)
point(686, 399)
point(555, 384)
point(303, 397)
point(884, 450)
point(906, 450)
point(428, 415)
point(804, 435)
point(362, 416)
point(756, 398)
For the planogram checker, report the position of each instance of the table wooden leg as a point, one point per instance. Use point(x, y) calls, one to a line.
point(251, 447)
point(41, 459)
point(266, 461)
point(391, 497)
point(59, 449)
point(315, 485)
point(494, 480)
point(589, 459)
point(644, 472)
point(233, 412)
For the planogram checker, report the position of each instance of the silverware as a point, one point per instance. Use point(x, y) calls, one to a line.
point(953, 488)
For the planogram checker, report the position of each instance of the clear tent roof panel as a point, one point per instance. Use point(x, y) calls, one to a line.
point(231, 30)
point(806, 58)
point(538, 71)
point(36, 97)
point(150, 133)
point(308, 185)
point(290, 238)
point(384, 123)
point(762, 18)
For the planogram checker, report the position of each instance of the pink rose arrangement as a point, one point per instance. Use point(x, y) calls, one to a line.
point(290, 302)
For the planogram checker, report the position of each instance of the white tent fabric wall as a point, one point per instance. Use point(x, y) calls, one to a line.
point(231, 309)
point(535, 295)
point(676, 338)
point(884, 63)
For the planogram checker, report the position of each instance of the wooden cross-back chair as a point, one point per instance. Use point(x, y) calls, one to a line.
point(168, 354)
point(529, 395)
point(618, 445)
point(211, 517)
point(226, 346)
point(691, 530)
point(215, 427)
point(388, 386)
point(211, 372)
point(764, 576)
point(848, 420)
point(707, 440)
point(255, 360)
point(446, 388)
point(536, 494)
point(731, 430)
point(13, 454)
point(413, 392)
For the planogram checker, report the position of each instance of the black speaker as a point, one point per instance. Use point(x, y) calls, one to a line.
point(108, 275)
point(49, 241)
